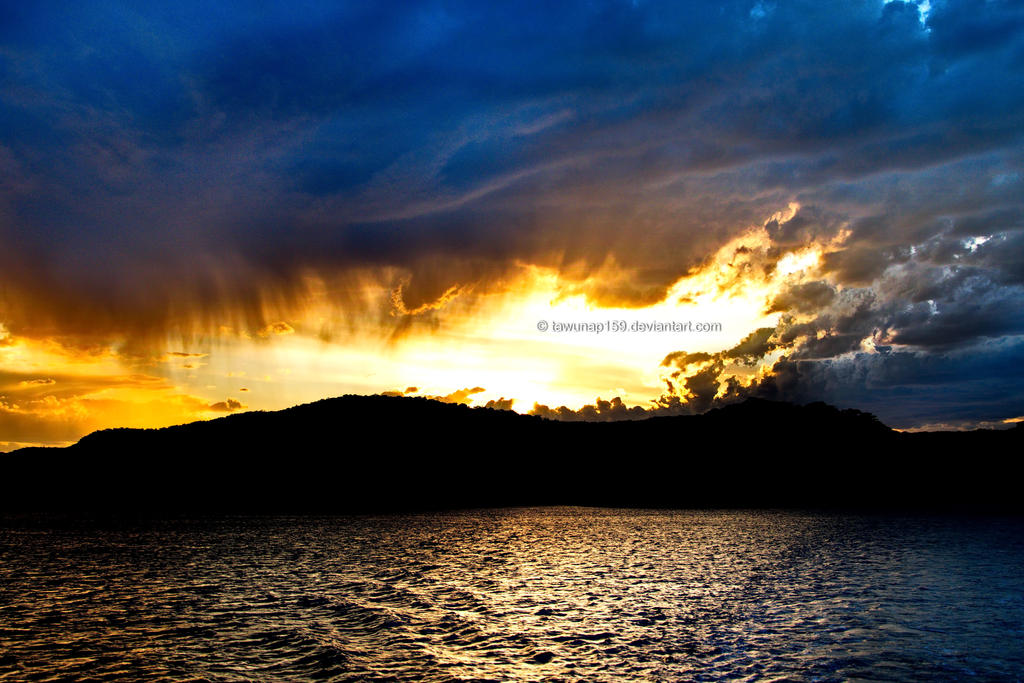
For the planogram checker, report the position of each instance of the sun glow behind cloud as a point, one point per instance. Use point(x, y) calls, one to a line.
point(488, 341)
point(497, 345)
point(492, 340)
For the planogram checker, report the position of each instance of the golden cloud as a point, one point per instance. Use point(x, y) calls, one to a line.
point(227, 406)
point(278, 328)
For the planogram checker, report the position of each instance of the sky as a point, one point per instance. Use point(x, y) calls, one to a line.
point(584, 210)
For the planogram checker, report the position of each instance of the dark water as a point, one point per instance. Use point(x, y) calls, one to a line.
point(516, 595)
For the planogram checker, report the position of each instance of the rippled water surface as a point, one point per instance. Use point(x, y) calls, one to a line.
point(516, 595)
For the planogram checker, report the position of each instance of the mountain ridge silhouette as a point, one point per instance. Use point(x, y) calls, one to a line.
point(382, 453)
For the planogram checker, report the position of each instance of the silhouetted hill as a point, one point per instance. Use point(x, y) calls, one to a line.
point(388, 453)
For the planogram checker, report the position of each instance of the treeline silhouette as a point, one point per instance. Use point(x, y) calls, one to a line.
point(378, 453)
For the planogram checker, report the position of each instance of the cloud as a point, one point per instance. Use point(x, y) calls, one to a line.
point(407, 391)
point(695, 382)
point(23, 386)
point(277, 328)
point(463, 396)
point(500, 403)
point(911, 388)
point(753, 347)
point(599, 411)
point(177, 356)
point(804, 298)
point(227, 406)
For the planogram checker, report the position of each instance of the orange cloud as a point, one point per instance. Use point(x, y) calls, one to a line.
point(277, 328)
point(228, 406)
point(34, 382)
point(463, 396)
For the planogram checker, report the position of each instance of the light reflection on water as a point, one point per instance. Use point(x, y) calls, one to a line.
point(516, 595)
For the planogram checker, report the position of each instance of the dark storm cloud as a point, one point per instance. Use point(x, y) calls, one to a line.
point(752, 347)
point(959, 337)
point(856, 265)
point(804, 298)
point(199, 160)
point(807, 225)
point(912, 389)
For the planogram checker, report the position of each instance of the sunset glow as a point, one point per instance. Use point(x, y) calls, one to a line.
point(487, 343)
